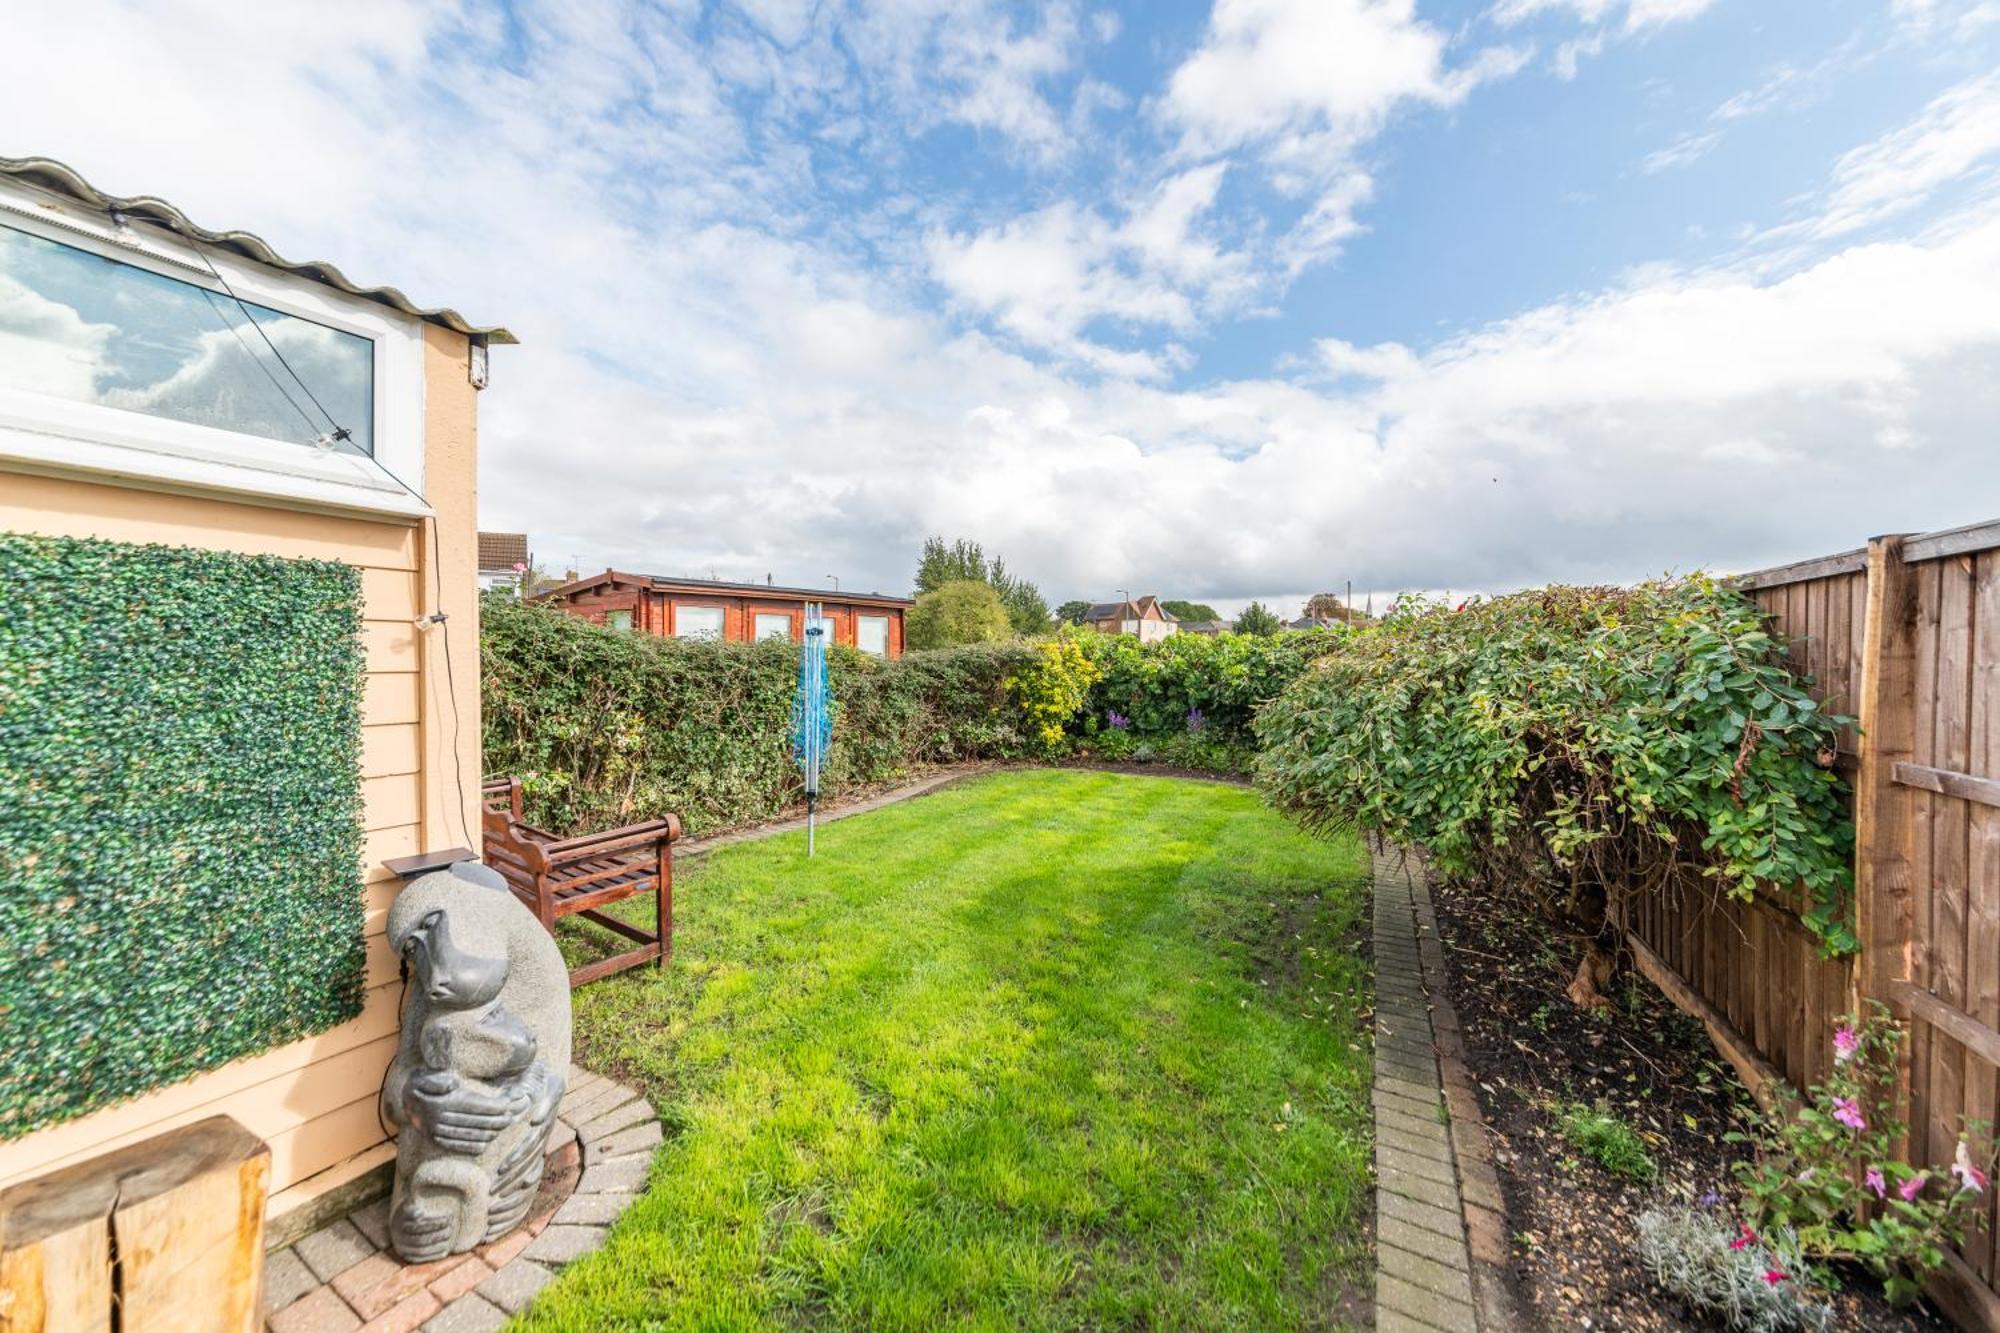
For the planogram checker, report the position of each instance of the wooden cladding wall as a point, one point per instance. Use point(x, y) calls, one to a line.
point(1904, 635)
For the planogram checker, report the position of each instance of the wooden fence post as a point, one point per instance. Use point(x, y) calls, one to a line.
point(1885, 896)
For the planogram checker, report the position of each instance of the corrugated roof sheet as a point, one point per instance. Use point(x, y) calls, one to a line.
point(53, 176)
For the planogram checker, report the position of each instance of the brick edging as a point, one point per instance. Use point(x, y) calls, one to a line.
point(344, 1277)
point(1440, 1222)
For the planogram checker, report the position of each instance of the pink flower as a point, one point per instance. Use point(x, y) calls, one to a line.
point(1969, 1176)
point(1845, 1044)
point(1911, 1188)
point(1773, 1276)
point(520, 567)
point(1848, 1113)
point(1744, 1236)
point(1877, 1183)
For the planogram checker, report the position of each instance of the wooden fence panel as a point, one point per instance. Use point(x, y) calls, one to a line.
point(1905, 637)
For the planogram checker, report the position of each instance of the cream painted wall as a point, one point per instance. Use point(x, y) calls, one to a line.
point(315, 1100)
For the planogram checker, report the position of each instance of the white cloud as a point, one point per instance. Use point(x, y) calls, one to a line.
point(45, 345)
point(710, 378)
point(1955, 136)
point(1603, 20)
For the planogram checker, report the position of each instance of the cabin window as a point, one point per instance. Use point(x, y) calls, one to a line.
point(871, 634)
point(770, 626)
point(698, 622)
point(91, 329)
point(618, 620)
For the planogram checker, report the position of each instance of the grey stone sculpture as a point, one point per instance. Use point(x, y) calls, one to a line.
point(482, 1062)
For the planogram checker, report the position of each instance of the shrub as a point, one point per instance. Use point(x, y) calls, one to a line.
point(1608, 1141)
point(1225, 678)
point(604, 728)
point(1054, 687)
point(960, 612)
point(1754, 1283)
point(1572, 741)
point(1825, 1169)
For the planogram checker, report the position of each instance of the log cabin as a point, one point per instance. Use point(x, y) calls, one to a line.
point(679, 608)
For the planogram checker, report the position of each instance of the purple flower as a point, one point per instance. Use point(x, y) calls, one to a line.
point(1911, 1188)
point(1848, 1113)
point(1709, 1198)
point(1117, 720)
point(1195, 721)
point(1876, 1182)
point(1845, 1044)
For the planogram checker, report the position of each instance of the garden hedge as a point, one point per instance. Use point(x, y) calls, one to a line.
point(180, 814)
point(604, 727)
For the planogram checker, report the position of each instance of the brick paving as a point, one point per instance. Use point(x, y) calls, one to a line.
point(1440, 1230)
point(343, 1278)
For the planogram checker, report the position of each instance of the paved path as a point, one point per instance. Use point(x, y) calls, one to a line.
point(343, 1278)
point(1440, 1234)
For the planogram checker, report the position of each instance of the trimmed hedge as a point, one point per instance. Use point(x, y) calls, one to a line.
point(180, 815)
point(604, 727)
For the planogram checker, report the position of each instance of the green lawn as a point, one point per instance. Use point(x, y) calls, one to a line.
point(1043, 1050)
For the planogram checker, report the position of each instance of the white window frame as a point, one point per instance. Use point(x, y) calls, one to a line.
point(40, 433)
point(883, 621)
point(757, 619)
point(721, 623)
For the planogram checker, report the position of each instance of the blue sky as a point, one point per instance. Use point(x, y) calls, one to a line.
point(1223, 301)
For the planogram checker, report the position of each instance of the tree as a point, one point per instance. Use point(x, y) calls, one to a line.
point(1025, 605)
point(1180, 610)
point(1327, 607)
point(961, 611)
point(941, 564)
point(1071, 613)
point(1258, 619)
point(964, 560)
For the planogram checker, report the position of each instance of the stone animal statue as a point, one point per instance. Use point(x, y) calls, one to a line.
point(481, 1064)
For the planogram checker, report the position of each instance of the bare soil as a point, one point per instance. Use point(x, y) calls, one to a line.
point(1573, 1225)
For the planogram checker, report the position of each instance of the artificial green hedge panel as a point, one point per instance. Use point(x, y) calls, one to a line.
point(180, 814)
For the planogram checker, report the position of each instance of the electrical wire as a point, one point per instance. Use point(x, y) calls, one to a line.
point(339, 432)
point(258, 361)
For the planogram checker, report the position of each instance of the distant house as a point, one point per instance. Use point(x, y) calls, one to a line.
point(1143, 616)
point(677, 608)
point(503, 558)
point(1210, 627)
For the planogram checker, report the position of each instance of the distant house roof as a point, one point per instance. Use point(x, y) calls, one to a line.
point(502, 550)
point(1142, 608)
point(1205, 626)
point(722, 588)
point(48, 174)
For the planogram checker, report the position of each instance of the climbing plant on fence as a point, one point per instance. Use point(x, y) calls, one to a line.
point(1568, 741)
point(180, 814)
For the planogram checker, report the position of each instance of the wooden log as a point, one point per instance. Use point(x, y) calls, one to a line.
point(168, 1232)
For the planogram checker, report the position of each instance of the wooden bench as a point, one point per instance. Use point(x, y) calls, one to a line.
point(559, 877)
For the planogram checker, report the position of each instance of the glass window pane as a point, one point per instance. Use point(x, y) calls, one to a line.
point(871, 634)
point(77, 325)
point(618, 620)
point(770, 626)
point(698, 622)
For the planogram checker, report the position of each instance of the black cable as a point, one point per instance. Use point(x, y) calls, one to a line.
point(450, 678)
point(237, 334)
point(339, 431)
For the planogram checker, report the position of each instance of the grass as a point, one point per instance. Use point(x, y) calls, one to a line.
point(1608, 1141)
point(1044, 1050)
